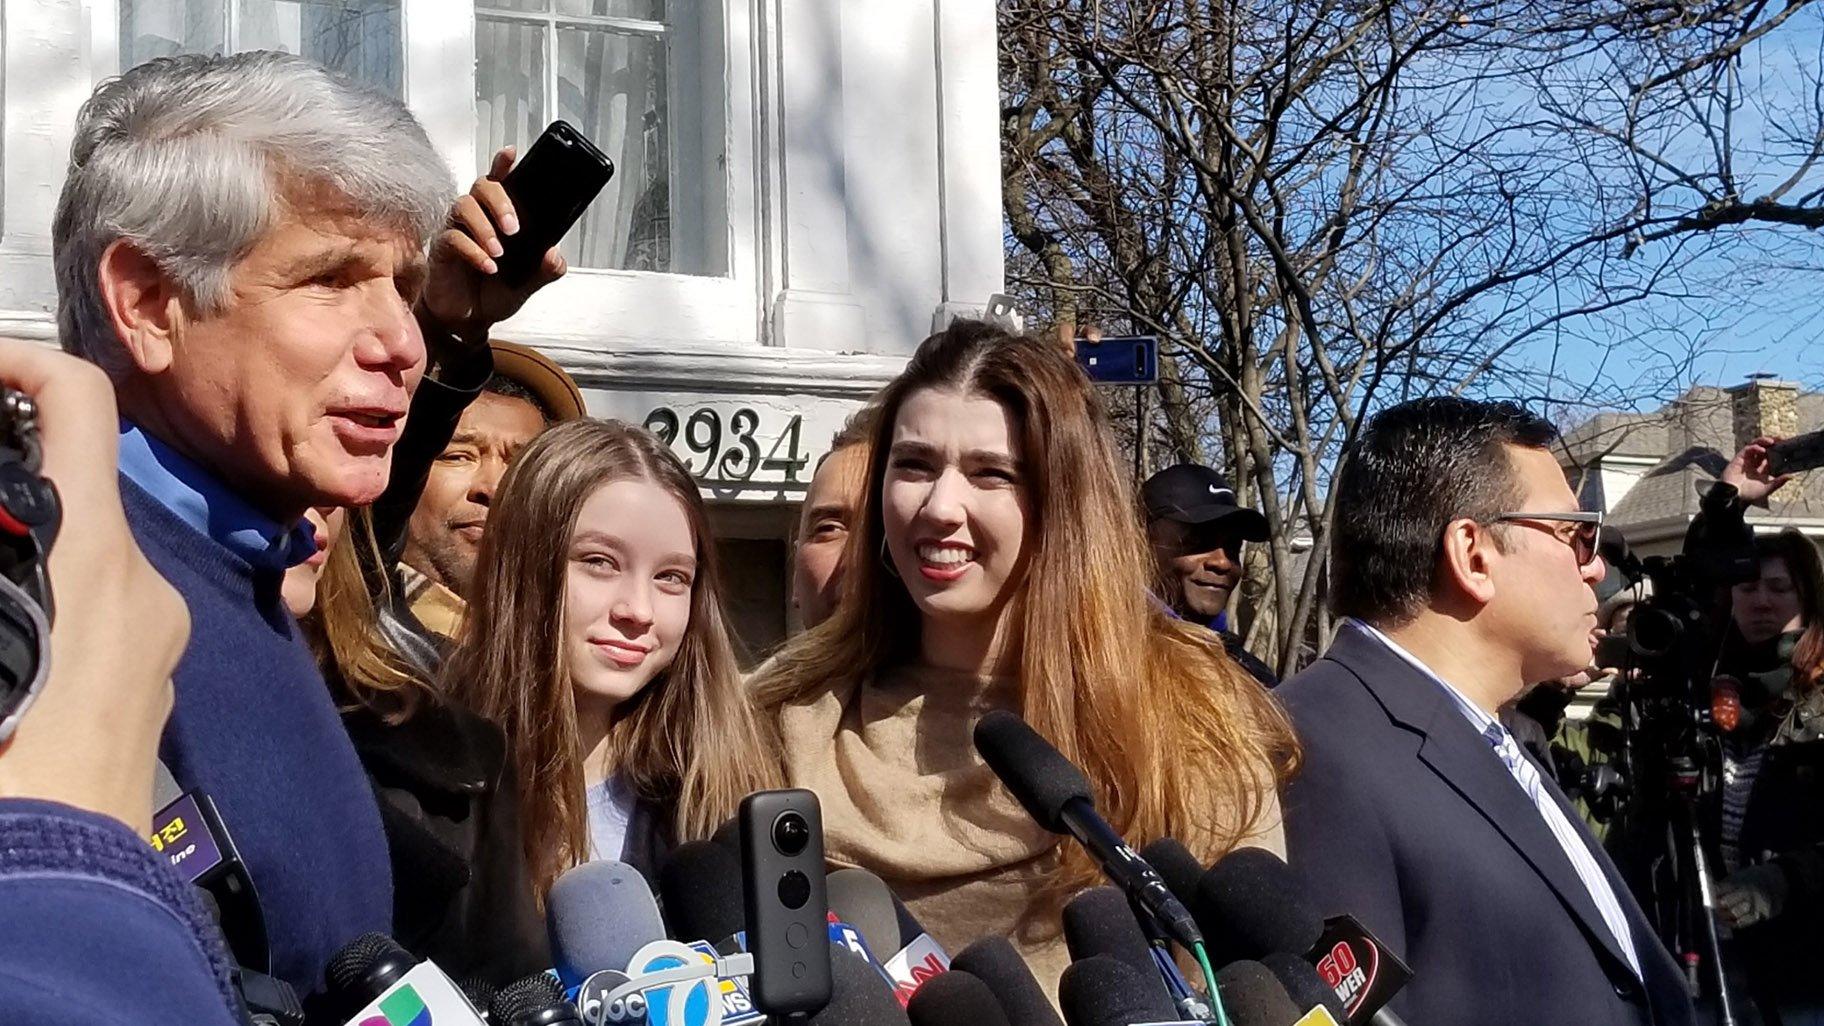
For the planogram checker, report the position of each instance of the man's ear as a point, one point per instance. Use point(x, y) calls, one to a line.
point(1467, 560)
point(143, 305)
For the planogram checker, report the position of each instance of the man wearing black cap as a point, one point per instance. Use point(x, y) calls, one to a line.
point(1196, 530)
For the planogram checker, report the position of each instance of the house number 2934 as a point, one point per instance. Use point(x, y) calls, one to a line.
point(730, 447)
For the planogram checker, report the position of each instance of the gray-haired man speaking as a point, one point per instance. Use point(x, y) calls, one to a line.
point(240, 243)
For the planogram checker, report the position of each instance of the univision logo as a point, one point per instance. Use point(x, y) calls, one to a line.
point(402, 1007)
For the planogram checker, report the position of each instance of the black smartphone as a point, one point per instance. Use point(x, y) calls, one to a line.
point(1796, 454)
point(787, 907)
point(1121, 360)
point(551, 185)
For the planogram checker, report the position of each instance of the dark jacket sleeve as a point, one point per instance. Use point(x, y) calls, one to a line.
point(1336, 838)
point(436, 408)
point(96, 928)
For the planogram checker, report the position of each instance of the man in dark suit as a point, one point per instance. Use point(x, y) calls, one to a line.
point(1464, 570)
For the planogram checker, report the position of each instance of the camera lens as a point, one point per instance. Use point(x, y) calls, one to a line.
point(791, 834)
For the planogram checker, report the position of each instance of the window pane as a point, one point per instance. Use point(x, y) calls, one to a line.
point(359, 38)
point(162, 28)
point(509, 86)
point(649, 10)
point(612, 88)
point(536, 6)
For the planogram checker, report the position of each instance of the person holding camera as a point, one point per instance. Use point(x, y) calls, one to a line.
point(1767, 704)
point(92, 920)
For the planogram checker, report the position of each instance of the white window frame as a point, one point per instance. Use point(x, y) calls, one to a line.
point(634, 309)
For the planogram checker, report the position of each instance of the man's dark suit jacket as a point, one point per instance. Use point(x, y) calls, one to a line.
point(1405, 817)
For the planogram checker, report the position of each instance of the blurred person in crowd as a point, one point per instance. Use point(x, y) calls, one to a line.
point(448, 795)
point(1464, 571)
point(596, 637)
point(1769, 706)
point(239, 244)
point(92, 920)
point(527, 392)
point(826, 518)
point(1197, 530)
point(991, 483)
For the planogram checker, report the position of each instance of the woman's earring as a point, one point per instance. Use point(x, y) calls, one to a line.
point(886, 560)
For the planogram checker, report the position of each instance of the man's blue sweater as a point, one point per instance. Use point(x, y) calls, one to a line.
point(255, 728)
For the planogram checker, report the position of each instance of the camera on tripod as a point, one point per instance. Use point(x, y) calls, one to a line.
point(29, 517)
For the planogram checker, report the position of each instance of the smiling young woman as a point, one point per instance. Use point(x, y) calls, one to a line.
point(998, 562)
point(596, 639)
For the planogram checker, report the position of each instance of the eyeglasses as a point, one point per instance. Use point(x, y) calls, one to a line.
point(1582, 539)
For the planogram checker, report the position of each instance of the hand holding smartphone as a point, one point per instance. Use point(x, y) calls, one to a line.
point(551, 186)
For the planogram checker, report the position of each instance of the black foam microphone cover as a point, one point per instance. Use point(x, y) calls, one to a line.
point(1036, 773)
point(910, 928)
point(1100, 921)
point(1180, 870)
point(862, 900)
point(728, 835)
point(858, 996)
point(1254, 905)
point(997, 963)
point(956, 998)
point(1253, 997)
point(537, 1000)
point(1303, 985)
point(1105, 991)
point(704, 898)
point(364, 968)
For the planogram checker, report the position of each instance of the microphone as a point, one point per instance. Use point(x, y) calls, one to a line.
point(1253, 997)
point(1099, 922)
point(1255, 905)
point(1105, 991)
point(1180, 870)
point(864, 902)
point(703, 891)
point(384, 983)
point(955, 999)
point(994, 961)
point(1306, 988)
point(599, 914)
point(537, 1000)
point(858, 997)
point(189, 832)
point(1054, 792)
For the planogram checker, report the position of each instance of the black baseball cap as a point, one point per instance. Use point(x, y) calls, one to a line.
point(1192, 494)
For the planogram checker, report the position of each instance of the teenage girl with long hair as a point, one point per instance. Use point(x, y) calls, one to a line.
point(998, 563)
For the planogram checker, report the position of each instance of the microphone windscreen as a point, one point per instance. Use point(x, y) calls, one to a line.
point(479, 990)
point(858, 995)
point(1612, 545)
point(996, 962)
point(362, 969)
point(1104, 991)
point(862, 900)
point(910, 929)
point(705, 899)
point(1100, 921)
point(956, 998)
point(1250, 904)
point(1036, 773)
point(1253, 997)
point(1303, 985)
point(599, 914)
point(1180, 870)
point(523, 1000)
point(728, 835)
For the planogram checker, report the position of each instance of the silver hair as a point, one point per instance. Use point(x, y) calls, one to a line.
point(187, 158)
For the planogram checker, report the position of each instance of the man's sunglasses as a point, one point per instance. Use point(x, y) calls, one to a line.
point(1583, 538)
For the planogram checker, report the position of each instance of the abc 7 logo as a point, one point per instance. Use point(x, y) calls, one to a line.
point(602, 1006)
point(669, 984)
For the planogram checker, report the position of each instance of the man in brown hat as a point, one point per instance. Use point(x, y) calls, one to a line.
point(527, 393)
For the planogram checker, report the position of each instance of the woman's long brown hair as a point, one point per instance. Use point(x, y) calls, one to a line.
point(689, 741)
point(1177, 740)
point(343, 633)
